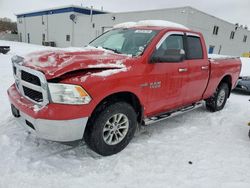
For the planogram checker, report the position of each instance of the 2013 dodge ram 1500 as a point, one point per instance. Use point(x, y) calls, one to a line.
point(131, 75)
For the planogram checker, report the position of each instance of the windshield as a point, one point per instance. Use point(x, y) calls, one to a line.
point(125, 41)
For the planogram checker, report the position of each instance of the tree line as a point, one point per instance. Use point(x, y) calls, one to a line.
point(8, 26)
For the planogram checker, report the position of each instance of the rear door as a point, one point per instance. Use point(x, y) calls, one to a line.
point(198, 68)
point(168, 78)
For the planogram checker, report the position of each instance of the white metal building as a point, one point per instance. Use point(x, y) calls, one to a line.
point(77, 26)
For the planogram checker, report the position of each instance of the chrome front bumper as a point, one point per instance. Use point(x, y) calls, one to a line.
point(56, 130)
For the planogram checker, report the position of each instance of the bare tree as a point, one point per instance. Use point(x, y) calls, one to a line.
point(8, 26)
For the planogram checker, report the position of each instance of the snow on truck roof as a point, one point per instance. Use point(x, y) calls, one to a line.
point(158, 23)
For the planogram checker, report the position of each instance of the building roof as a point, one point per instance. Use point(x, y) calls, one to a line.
point(59, 10)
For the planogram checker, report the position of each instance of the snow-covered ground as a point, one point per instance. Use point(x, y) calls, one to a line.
point(198, 149)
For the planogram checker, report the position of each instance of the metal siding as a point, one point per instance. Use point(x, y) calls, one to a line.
point(177, 15)
point(205, 23)
point(35, 28)
point(60, 25)
point(82, 32)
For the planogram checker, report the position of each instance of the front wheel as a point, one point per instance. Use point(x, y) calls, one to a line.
point(111, 128)
point(219, 98)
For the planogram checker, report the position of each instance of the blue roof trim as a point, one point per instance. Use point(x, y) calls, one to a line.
point(61, 10)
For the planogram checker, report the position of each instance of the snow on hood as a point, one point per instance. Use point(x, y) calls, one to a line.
point(109, 72)
point(56, 63)
point(161, 23)
point(117, 64)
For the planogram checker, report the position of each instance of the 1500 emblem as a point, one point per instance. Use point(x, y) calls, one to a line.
point(152, 85)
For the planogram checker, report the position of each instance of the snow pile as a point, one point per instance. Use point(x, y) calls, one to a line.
point(21, 49)
point(218, 56)
point(245, 69)
point(161, 23)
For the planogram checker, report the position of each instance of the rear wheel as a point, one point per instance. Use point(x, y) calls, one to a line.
point(111, 128)
point(219, 98)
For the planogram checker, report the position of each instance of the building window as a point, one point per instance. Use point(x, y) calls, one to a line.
point(216, 29)
point(21, 38)
point(42, 21)
point(43, 37)
point(245, 38)
point(20, 20)
point(232, 35)
point(67, 37)
point(211, 49)
point(28, 36)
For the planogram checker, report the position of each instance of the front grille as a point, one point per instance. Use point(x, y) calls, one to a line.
point(30, 78)
point(31, 84)
point(33, 94)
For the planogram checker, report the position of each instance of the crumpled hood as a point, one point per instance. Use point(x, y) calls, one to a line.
point(56, 63)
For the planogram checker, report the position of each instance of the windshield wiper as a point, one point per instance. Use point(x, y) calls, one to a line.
point(111, 49)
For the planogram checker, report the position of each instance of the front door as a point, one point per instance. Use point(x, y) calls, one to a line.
point(168, 78)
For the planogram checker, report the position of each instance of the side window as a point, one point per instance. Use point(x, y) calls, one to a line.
point(171, 42)
point(194, 48)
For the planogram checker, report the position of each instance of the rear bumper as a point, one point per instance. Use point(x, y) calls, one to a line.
point(63, 123)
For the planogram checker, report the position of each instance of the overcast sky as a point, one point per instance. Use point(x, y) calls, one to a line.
point(234, 11)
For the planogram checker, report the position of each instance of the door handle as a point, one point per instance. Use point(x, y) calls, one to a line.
point(183, 69)
point(204, 67)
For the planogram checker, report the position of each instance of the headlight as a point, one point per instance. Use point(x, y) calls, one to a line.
point(68, 94)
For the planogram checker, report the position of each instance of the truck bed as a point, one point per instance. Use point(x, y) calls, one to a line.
point(221, 67)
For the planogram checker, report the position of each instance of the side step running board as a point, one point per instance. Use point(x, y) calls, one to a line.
point(164, 116)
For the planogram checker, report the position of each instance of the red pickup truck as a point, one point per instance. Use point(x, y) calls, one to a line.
point(128, 76)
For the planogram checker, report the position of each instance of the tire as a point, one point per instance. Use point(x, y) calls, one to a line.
point(111, 128)
point(219, 98)
point(249, 134)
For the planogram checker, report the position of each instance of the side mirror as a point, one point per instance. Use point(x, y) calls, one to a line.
point(170, 55)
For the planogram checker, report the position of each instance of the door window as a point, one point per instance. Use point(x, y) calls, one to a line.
point(174, 41)
point(194, 48)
